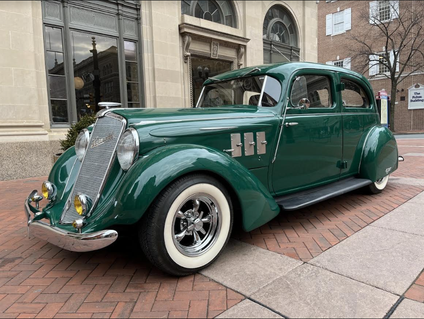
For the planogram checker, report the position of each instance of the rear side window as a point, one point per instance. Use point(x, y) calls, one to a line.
point(311, 91)
point(354, 95)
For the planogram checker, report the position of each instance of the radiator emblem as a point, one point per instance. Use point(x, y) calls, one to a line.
point(97, 141)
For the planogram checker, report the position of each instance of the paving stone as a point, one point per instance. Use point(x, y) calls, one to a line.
point(246, 268)
point(384, 258)
point(407, 218)
point(312, 292)
point(409, 309)
point(248, 309)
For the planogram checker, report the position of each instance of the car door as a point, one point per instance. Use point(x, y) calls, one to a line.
point(358, 116)
point(309, 151)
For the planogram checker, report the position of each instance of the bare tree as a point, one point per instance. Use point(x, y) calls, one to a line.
point(390, 43)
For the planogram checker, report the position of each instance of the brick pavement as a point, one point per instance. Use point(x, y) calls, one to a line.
point(40, 280)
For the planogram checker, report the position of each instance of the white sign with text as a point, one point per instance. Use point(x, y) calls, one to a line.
point(416, 97)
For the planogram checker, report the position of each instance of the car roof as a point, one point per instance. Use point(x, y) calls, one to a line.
point(279, 70)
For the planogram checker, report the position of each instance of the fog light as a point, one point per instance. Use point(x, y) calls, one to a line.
point(82, 204)
point(78, 223)
point(48, 190)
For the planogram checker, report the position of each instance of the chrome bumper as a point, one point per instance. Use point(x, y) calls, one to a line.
point(78, 242)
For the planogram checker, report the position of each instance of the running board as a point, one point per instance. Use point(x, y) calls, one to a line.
point(318, 194)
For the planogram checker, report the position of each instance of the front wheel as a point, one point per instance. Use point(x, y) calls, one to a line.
point(379, 185)
point(188, 225)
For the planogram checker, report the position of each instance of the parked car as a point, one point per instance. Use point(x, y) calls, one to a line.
point(261, 141)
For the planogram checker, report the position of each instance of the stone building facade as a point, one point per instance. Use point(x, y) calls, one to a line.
point(338, 21)
point(58, 59)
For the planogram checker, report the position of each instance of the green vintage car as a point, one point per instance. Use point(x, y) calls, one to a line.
point(260, 141)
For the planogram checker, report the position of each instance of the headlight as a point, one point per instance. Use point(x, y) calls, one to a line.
point(48, 190)
point(81, 143)
point(128, 148)
point(82, 204)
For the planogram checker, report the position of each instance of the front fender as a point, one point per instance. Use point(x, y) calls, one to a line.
point(157, 169)
point(380, 154)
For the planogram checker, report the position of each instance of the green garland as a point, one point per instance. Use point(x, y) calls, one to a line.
point(75, 129)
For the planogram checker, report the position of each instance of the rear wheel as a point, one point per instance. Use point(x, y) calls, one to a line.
point(188, 225)
point(379, 185)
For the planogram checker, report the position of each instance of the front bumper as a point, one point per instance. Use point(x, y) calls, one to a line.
point(78, 242)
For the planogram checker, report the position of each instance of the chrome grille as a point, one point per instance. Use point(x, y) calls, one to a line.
point(96, 163)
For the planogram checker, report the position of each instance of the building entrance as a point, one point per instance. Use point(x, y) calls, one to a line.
point(202, 69)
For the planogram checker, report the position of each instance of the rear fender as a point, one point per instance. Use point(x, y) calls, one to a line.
point(157, 169)
point(379, 155)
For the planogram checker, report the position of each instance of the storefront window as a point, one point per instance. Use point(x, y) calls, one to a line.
point(91, 56)
point(96, 71)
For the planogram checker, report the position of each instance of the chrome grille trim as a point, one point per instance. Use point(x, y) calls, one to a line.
point(96, 164)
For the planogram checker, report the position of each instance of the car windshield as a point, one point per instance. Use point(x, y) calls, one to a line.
point(255, 90)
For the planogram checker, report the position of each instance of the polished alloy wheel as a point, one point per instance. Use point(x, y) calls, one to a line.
point(196, 225)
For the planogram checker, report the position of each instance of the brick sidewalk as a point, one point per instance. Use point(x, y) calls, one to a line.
point(40, 280)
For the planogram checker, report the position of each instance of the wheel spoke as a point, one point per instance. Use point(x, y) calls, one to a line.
point(197, 238)
point(181, 235)
point(202, 231)
point(196, 205)
point(181, 215)
point(207, 219)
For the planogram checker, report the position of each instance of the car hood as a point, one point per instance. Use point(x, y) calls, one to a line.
point(151, 116)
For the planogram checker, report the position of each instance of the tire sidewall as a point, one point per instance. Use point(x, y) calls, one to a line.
point(382, 185)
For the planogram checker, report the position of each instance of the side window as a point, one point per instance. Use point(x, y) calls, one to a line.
point(311, 91)
point(354, 95)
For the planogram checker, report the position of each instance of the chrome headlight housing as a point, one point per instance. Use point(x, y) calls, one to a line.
point(81, 144)
point(128, 147)
point(48, 190)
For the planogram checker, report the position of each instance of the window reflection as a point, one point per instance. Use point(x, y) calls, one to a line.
point(131, 69)
point(56, 71)
point(96, 71)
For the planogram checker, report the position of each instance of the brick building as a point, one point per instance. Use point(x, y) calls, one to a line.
point(340, 21)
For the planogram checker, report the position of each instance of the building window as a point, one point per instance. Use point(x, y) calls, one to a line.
point(338, 63)
point(91, 56)
point(280, 37)
point(217, 11)
point(383, 11)
point(379, 63)
point(345, 63)
point(339, 22)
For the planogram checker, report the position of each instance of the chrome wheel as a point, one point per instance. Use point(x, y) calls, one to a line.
point(188, 225)
point(196, 225)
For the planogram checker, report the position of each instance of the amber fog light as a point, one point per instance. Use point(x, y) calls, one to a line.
point(48, 190)
point(78, 223)
point(82, 204)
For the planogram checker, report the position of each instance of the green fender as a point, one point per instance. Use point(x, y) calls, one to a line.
point(379, 155)
point(157, 169)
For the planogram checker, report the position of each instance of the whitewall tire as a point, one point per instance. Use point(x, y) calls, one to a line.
point(188, 225)
point(379, 185)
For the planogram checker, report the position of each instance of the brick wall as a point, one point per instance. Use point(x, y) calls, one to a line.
point(341, 46)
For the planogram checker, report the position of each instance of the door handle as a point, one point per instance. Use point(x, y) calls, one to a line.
point(291, 124)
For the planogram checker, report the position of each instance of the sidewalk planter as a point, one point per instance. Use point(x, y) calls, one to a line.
point(261, 141)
